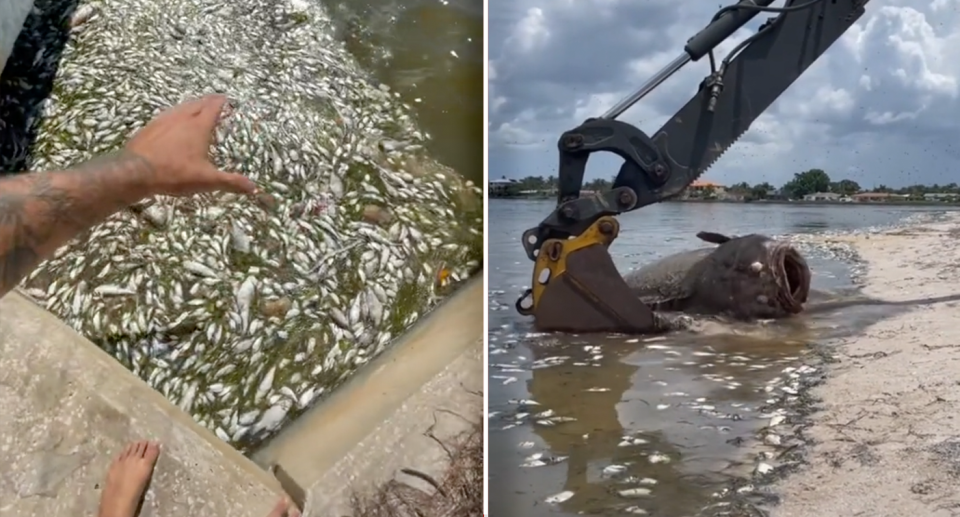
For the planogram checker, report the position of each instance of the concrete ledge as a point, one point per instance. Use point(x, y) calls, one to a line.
point(379, 422)
point(12, 15)
point(66, 408)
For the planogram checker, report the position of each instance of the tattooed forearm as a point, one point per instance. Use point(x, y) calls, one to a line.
point(39, 212)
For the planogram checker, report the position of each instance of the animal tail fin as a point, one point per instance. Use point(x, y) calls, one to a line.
point(713, 238)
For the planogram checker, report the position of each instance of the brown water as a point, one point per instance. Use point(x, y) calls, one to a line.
point(431, 52)
point(617, 425)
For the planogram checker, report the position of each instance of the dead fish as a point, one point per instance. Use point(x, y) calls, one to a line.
point(749, 277)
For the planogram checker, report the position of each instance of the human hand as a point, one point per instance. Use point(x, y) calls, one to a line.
point(176, 144)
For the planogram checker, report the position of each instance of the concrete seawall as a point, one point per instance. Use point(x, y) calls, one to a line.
point(392, 414)
point(69, 407)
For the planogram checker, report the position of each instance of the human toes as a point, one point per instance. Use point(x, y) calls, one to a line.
point(149, 451)
point(129, 450)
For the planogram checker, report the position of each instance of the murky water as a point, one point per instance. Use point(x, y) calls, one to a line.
point(431, 52)
point(615, 425)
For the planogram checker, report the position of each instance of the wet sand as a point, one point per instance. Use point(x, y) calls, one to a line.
point(886, 441)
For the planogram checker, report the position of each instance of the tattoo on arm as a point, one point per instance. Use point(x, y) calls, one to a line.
point(39, 212)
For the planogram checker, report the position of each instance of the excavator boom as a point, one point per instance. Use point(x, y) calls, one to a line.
point(575, 285)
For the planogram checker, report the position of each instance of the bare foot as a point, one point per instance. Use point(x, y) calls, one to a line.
point(283, 508)
point(127, 479)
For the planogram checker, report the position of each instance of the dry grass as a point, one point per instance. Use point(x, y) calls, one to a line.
point(458, 494)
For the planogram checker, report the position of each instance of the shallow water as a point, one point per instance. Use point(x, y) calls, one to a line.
point(614, 425)
point(431, 52)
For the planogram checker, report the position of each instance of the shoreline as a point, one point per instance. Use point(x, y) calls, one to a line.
point(882, 439)
point(926, 204)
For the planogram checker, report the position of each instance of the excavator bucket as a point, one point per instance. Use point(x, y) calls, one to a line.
point(577, 288)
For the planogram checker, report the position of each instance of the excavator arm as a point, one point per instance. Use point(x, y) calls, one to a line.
point(576, 287)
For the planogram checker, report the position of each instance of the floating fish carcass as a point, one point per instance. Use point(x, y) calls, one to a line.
point(242, 312)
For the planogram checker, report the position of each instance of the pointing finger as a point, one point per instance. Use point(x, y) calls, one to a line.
point(236, 183)
point(190, 108)
point(212, 107)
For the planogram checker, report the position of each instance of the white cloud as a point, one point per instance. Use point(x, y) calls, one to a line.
point(510, 135)
point(880, 107)
point(531, 32)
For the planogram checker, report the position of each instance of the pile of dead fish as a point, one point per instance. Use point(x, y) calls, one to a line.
point(242, 313)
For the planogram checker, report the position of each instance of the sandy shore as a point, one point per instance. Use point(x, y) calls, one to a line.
point(887, 440)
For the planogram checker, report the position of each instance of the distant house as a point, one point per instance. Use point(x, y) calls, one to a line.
point(730, 195)
point(503, 187)
point(822, 196)
point(877, 197)
point(940, 196)
point(776, 193)
point(704, 188)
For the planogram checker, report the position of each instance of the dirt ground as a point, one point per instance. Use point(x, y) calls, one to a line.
point(887, 440)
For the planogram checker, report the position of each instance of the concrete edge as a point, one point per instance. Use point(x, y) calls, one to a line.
point(414, 437)
point(23, 307)
point(376, 422)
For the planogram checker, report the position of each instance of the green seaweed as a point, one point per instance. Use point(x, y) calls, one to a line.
point(351, 285)
point(299, 18)
point(245, 261)
point(410, 298)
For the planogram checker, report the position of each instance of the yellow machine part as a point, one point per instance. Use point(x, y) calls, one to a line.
point(553, 254)
point(577, 288)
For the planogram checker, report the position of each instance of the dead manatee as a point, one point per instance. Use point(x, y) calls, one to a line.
point(747, 277)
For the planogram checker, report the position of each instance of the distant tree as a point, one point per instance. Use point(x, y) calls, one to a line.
point(552, 183)
point(845, 187)
point(538, 183)
point(761, 190)
point(598, 185)
point(807, 182)
point(915, 191)
point(802, 183)
point(765, 186)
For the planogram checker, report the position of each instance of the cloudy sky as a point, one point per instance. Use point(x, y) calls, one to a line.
point(880, 107)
